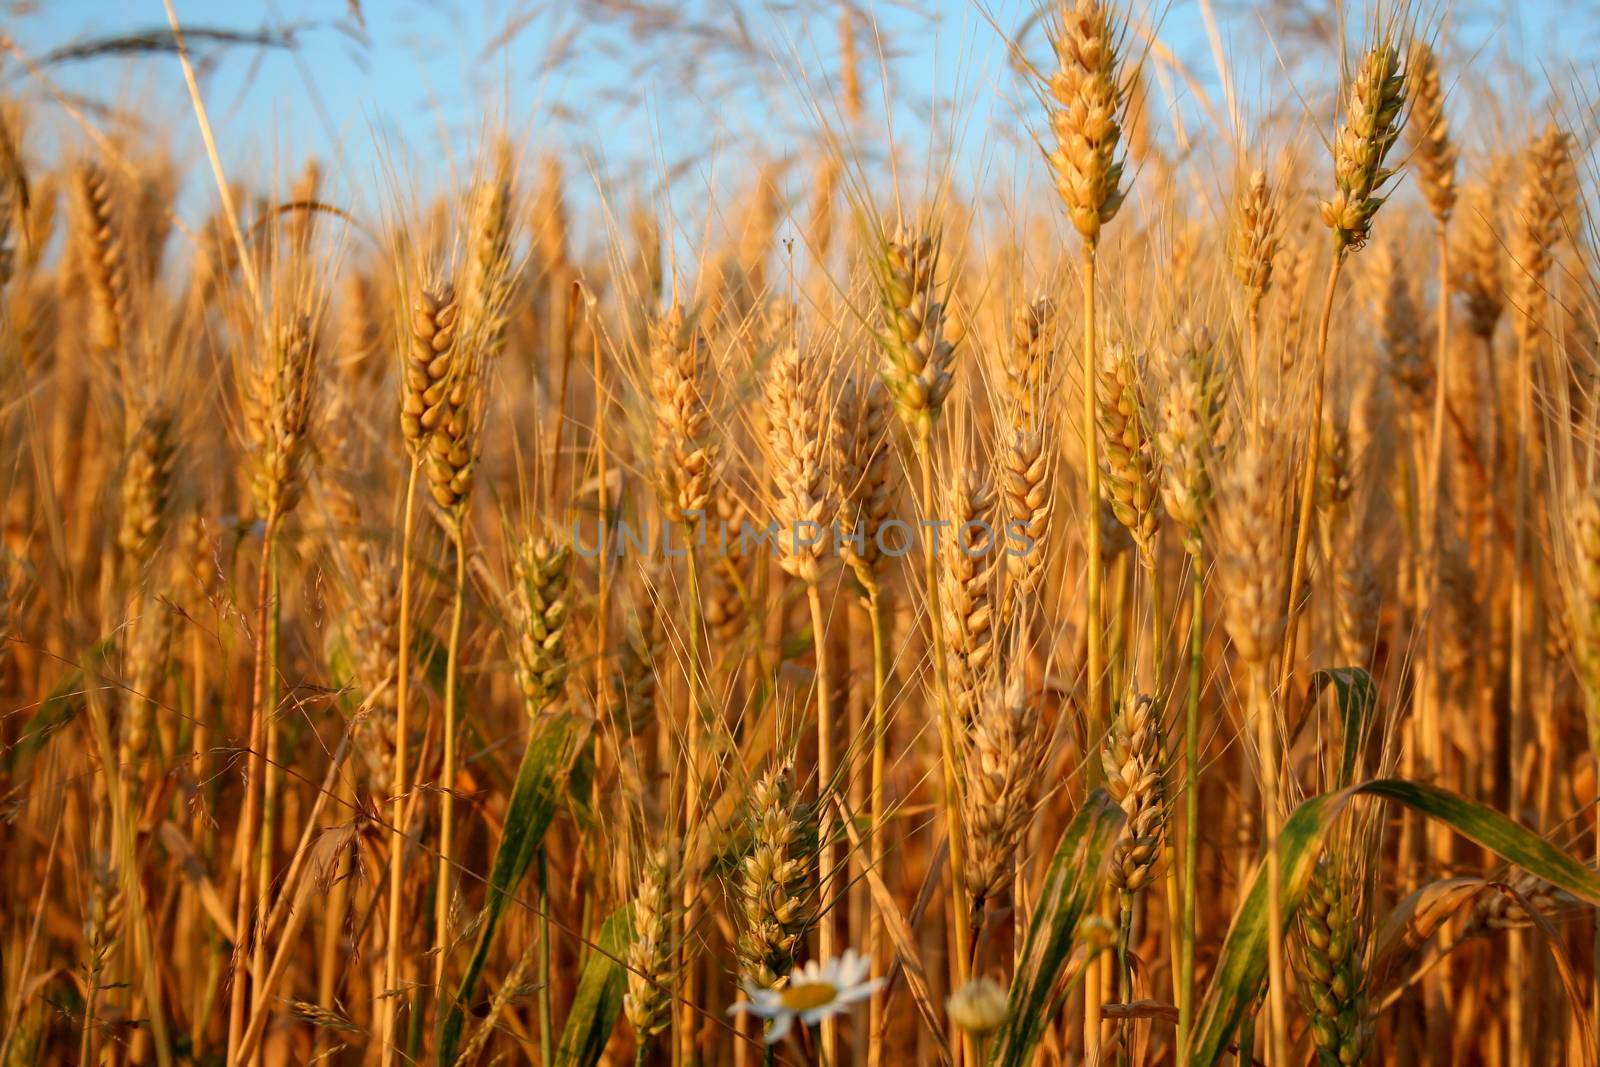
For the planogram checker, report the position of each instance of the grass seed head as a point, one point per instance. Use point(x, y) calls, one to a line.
point(1255, 237)
point(644, 652)
point(1251, 561)
point(429, 357)
point(863, 417)
point(1478, 272)
point(487, 275)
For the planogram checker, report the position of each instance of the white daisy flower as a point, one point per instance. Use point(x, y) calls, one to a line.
point(812, 993)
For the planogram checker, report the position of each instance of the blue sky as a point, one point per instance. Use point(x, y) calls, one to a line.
point(703, 86)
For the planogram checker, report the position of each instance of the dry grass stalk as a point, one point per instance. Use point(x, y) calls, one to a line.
point(1250, 568)
point(1087, 98)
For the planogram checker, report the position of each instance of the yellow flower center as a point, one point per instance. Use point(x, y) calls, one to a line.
point(799, 998)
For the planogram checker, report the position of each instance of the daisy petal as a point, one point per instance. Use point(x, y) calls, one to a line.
point(778, 1029)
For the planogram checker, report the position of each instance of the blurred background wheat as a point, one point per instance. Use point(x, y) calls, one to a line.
point(807, 532)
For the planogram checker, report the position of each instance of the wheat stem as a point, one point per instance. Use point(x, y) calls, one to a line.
point(1191, 799)
point(391, 965)
point(1267, 743)
point(1124, 966)
point(272, 779)
point(251, 814)
point(948, 750)
point(447, 774)
point(875, 929)
point(1094, 665)
point(685, 1043)
point(827, 920)
point(546, 1037)
point(1308, 483)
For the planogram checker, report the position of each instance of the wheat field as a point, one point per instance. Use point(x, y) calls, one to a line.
point(1144, 609)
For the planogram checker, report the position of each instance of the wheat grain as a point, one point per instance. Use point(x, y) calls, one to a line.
point(1255, 239)
point(104, 257)
point(648, 1001)
point(539, 606)
point(798, 453)
point(279, 404)
point(1026, 462)
point(1001, 760)
point(146, 489)
point(1191, 430)
point(1373, 120)
point(966, 580)
point(1085, 119)
point(1333, 944)
point(685, 455)
point(862, 427)
point(775, 894)
point(918, 369)
point(1132, 478)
